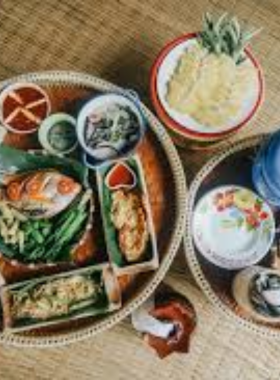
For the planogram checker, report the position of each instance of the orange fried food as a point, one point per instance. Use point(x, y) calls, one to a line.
point(129, 217)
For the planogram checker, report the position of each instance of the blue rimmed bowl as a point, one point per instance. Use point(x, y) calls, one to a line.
point(109, 127)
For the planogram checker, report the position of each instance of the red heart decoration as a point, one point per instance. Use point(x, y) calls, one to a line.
point(120, 175)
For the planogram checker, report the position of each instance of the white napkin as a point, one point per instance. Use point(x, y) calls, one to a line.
point(143, 322)
point(2, 280)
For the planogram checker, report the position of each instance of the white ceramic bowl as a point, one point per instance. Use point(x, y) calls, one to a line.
point(103, 154)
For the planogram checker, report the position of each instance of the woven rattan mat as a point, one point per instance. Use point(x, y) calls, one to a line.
point(118, 40)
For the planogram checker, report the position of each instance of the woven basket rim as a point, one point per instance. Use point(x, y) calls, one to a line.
point(191, 257)
point(79, 79)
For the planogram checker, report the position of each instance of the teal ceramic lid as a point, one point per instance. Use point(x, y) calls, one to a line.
point(57, 133)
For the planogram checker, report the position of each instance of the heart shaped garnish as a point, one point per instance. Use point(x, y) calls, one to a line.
point(120, 176)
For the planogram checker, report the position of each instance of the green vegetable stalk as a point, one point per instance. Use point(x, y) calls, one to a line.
point(226, 35)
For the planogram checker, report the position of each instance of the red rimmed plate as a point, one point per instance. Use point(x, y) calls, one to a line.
point(187, 127)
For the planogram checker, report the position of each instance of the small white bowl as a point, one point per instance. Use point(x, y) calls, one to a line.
point(103, 154)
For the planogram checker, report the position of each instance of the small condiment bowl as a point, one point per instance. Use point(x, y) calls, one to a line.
point(46, 129)
point(125, 178)
point(16, 87)
point(108, 151)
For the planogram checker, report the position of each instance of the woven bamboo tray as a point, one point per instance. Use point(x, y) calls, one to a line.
point(231, 165)
point(167, 192)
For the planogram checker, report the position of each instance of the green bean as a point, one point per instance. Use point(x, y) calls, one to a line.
point(37, 236)
point(46, 230)
point(73, 228)
point(63, 240)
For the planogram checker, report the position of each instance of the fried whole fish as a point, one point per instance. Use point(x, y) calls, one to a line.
point(40, 194)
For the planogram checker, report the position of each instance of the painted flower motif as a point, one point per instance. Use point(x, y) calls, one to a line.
point(244, 200)
point(246, 208)
point(224, 200)
point(255, 216)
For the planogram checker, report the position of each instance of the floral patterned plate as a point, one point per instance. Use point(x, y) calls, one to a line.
point(233, 227)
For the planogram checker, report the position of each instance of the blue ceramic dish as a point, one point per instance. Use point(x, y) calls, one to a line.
point(262, 186)
point(271, 162)
point(266, 170)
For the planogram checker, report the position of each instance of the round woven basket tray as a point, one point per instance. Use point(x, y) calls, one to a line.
point(167, 192)
point(232, 165)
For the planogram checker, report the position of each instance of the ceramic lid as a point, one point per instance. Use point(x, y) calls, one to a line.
point(232, 227)
point(271, 162)
point(262, 186)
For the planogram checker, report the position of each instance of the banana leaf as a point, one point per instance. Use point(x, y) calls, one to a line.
point(14, 160)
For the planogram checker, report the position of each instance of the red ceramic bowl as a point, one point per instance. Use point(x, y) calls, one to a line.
point(23, 107)
point(189, 131)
